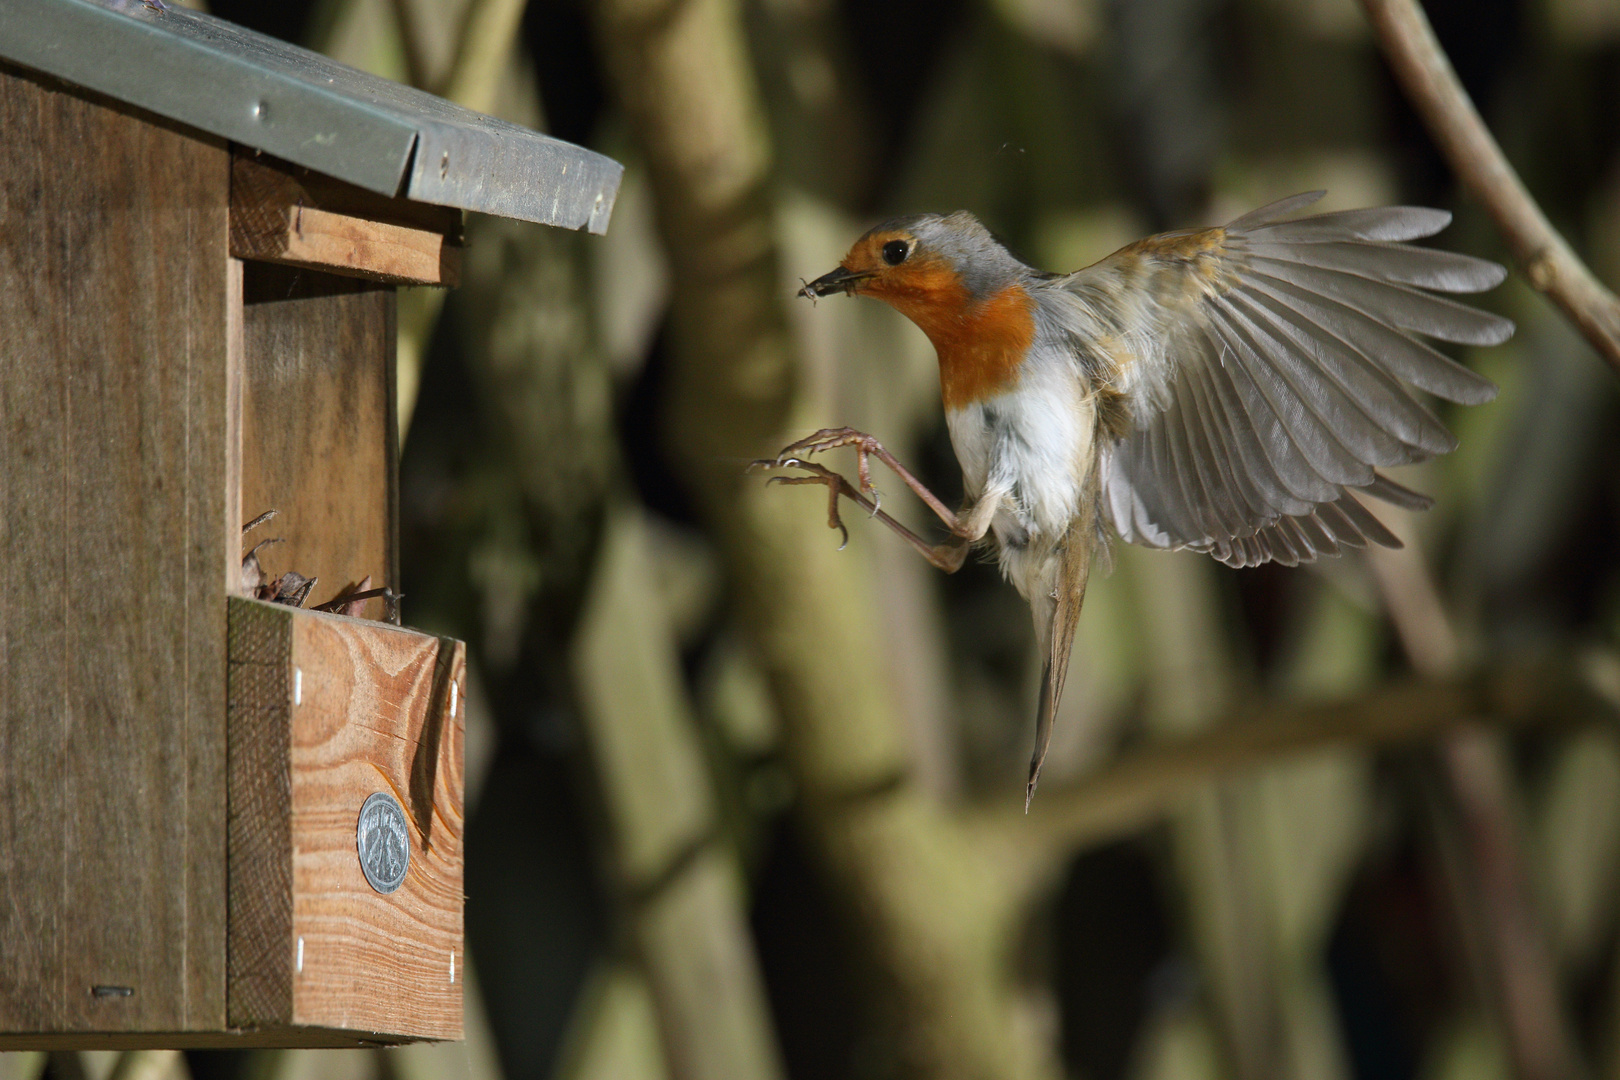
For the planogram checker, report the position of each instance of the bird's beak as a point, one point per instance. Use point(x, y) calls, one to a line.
point(840, 279)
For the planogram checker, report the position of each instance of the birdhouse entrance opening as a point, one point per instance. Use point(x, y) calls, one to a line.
point(318, 431)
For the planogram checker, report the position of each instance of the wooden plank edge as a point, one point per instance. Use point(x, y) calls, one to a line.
point(316, 239)
point(258, 712)
point(282, 214)
point(289, 1037)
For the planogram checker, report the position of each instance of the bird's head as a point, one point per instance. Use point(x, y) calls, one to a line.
point(926, 266)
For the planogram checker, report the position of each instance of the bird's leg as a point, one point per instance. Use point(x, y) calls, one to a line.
point(948, 556)
point(975, 521)
point(868, 447)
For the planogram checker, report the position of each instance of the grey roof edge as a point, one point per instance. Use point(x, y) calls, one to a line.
point(310, 110)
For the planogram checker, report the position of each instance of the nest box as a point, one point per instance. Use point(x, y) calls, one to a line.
point(224, 821)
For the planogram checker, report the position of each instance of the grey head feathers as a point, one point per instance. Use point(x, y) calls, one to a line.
point(981, 261)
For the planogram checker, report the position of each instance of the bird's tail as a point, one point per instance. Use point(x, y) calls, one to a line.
point(1068, 593)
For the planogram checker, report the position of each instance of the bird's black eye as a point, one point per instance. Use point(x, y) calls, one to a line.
point(895, 252)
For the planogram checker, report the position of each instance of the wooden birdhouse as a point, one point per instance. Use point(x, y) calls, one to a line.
point(224, 821)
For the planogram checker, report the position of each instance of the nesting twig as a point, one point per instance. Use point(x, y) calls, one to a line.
point(290, 588)
point(349, 602)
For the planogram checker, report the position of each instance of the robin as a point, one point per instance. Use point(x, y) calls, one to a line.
point(1226, 390)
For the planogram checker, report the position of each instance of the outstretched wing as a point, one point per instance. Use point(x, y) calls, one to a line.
point(1265, 369)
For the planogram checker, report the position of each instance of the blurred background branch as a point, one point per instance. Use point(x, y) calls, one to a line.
point(1479, 828)
point(485, 33)
point(1132, 791)
point(678, 882)
point(929, 916)
point(1545, 257)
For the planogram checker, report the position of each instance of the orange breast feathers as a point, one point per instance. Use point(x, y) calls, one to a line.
point(980, 343)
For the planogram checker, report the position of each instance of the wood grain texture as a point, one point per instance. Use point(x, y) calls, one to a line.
point(235, 349)
point(377, 702)
point(113, 558)
point(259, 838)
point(367, 708)
point(318, 430)
point(284, 214)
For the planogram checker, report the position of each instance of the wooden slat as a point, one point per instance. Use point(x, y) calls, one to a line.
point(113, 555)
point(260, 843)
point(237, 1039)
point(325, 711)
point(317, 425)
point(281, 213)
point(235, 349)
point(376, 717)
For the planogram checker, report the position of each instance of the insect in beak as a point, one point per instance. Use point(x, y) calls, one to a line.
point(836, 281)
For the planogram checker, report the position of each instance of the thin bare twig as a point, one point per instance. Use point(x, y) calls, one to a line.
point(1546, 258)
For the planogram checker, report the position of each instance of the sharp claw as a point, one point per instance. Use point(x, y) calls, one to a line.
point(835, 484)
point(877, 502)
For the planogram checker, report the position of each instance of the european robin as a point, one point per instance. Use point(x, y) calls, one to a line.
point(1227, 390)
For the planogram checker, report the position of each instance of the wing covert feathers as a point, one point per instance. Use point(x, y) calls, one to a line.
point(1278, 374)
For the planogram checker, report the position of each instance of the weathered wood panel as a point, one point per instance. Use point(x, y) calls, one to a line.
point(114, 557)
point(318, 431)
point(325, 711)
point(281, 213)
point(260, 844)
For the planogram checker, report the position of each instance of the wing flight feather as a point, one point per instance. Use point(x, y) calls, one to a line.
point(1273, 374)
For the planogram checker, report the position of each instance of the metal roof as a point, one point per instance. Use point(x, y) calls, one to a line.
point(298, 105)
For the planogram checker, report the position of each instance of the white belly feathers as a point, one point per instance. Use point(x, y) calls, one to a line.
point(1030, 448)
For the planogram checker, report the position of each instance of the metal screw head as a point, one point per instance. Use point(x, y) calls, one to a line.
point(383, 839)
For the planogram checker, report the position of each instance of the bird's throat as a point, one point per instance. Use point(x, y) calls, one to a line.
point(981, 343)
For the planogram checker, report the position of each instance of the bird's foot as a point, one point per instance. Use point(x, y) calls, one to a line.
point(866, 446)
point(836, 485)
point(947, 556)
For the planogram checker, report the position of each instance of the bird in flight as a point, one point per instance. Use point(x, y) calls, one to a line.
point(1227, 390)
